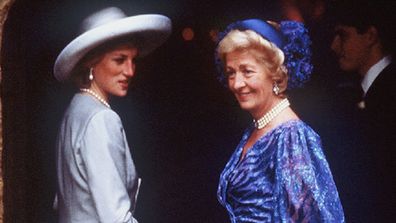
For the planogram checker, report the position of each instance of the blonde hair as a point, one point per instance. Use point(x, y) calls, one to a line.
point(269, 54)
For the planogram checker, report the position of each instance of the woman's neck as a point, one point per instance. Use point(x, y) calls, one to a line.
point(265, 109)
point(94, 87)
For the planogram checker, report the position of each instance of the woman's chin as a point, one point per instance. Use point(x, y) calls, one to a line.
point(121, 93)
point(246, 106)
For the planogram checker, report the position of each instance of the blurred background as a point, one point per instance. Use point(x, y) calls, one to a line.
point(181, 123)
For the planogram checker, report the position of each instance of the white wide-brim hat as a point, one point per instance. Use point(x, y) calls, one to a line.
point(151, 30)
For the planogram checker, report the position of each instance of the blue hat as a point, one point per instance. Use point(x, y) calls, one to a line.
point(292, 39)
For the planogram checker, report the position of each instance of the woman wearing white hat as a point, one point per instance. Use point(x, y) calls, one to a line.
point(97, 180)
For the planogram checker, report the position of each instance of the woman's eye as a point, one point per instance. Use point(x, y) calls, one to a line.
point(229, 74)
point(248, 72)
point(119, 60)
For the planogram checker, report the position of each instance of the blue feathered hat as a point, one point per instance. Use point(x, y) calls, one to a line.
point(292, 38)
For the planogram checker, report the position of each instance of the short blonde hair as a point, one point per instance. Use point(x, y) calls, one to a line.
point(271, 56)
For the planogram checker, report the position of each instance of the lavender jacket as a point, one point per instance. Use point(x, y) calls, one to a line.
point(97, 180)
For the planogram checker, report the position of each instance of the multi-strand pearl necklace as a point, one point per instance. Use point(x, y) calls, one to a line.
point(267, 118)
point(96, 96)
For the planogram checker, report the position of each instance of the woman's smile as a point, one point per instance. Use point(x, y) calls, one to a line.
point(124, 84)
point(243, 96)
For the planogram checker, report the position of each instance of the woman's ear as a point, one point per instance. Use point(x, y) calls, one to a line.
point(92, 59)
point(89, 63)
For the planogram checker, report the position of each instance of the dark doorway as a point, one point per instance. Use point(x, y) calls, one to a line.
point(182, 125)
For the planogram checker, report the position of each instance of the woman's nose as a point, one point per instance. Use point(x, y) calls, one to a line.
point(239, 81)
point(129, 69)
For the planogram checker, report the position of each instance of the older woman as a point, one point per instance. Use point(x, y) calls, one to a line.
point(97, 180)
point(278, 172)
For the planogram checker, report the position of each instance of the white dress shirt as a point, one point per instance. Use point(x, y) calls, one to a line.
point(373, 72)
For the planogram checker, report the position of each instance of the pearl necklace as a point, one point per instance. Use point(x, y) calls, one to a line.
point(96, 96)
point(269, 116)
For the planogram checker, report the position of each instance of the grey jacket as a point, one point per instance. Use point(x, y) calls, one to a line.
point(97, 180)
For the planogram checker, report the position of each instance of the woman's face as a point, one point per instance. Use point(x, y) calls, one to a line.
point(249, 80)
point(113, 73)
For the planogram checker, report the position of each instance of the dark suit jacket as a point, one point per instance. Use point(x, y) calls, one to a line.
point(360, 145)
point(380, 102)
point(379, 137)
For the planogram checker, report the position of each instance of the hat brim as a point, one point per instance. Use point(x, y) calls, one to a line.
point(151, 30)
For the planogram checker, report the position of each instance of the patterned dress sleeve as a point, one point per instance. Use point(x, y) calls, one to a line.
point(103, 155)
point(305, 188)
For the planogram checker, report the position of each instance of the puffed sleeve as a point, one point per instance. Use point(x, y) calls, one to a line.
point(103, 153)
point(305, 187)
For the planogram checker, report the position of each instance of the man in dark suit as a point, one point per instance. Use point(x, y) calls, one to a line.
point(364, 42)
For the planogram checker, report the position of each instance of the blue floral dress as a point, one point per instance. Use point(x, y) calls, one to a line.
point(284, 177)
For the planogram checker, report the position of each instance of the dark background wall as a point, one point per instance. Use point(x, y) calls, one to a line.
point(182, 125)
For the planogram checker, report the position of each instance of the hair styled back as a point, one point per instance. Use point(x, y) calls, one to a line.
point(269, 54)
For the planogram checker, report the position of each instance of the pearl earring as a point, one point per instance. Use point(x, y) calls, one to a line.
point(276, 89)
point(91, 77)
